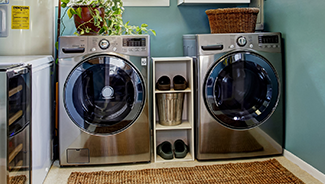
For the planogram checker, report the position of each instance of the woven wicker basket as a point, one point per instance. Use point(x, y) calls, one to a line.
point(232, 20)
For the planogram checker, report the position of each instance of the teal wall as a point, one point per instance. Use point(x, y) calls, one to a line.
point(303, 27)
point(170, 23)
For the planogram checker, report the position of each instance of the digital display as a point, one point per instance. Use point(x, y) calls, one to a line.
point(268, 39)
point(134, 42)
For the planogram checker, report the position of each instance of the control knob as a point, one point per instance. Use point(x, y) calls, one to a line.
point(241, 41)
point(104, 44)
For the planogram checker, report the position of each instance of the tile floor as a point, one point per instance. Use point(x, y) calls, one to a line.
point(61, 175)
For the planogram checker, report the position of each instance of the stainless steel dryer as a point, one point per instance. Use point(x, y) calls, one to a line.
point(240, 107)
point(103, 99)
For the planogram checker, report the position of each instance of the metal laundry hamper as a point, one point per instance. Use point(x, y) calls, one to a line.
point(170, 108)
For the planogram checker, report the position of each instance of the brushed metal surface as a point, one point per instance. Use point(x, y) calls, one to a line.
point(3, 128)
point(214, 141)
point(129, 146)
point(170, 108)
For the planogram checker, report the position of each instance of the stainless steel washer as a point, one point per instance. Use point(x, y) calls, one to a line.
point(103, 99)
point(240, 107)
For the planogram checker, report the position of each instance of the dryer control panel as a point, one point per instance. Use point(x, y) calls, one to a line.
point(135, 45)
point(217, 43)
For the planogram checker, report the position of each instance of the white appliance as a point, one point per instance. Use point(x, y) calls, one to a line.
point(26, 27)
point(42, 103)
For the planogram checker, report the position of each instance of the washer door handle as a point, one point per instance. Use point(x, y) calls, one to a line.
point(74, 50)
point(212, 47)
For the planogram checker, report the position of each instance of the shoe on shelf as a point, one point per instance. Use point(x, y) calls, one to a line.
point(179, 82)
point(165, 150)
point(181, 148)
point(163, 83)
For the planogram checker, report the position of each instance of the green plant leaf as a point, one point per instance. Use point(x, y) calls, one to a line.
point(65, 1)
point(153, 32)
point(117, 12)
point(78, 12)
point(102, 30)
point(71, 12)
point(144, 25)
point(63, 5)
point(88, 30)
point(137, 29)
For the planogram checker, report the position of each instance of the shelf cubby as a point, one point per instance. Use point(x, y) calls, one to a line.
point(171, 66)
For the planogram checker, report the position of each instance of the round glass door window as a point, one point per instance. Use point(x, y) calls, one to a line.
point(104, 94)
point(241, 90)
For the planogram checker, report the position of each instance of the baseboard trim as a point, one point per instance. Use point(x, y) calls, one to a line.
point(305, 166)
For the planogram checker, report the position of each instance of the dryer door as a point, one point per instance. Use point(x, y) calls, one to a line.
point(241, 90)
point(104, 94)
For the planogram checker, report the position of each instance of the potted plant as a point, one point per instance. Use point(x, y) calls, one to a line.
point(101, 17)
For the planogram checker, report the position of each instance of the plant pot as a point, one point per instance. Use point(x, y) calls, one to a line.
point(87, 19)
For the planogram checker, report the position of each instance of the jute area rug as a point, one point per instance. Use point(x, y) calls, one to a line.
point(21, 179)
point(259, 172)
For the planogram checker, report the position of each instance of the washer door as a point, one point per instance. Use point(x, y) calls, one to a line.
point(104, 94)
point(241, 90)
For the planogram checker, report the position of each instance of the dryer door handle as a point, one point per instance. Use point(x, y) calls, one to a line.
point(212, 47)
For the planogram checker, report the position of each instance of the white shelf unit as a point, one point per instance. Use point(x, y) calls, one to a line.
point(180, 2)
point(145, 2)
point(171, 66)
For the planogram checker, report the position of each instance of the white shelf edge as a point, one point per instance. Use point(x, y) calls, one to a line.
point(146, 3)
point(181, 2)
point(187, 90)
point(184, 125)
point(187, 158)
point(164, 59)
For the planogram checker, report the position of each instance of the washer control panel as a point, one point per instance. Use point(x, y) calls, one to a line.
point(135, 45)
